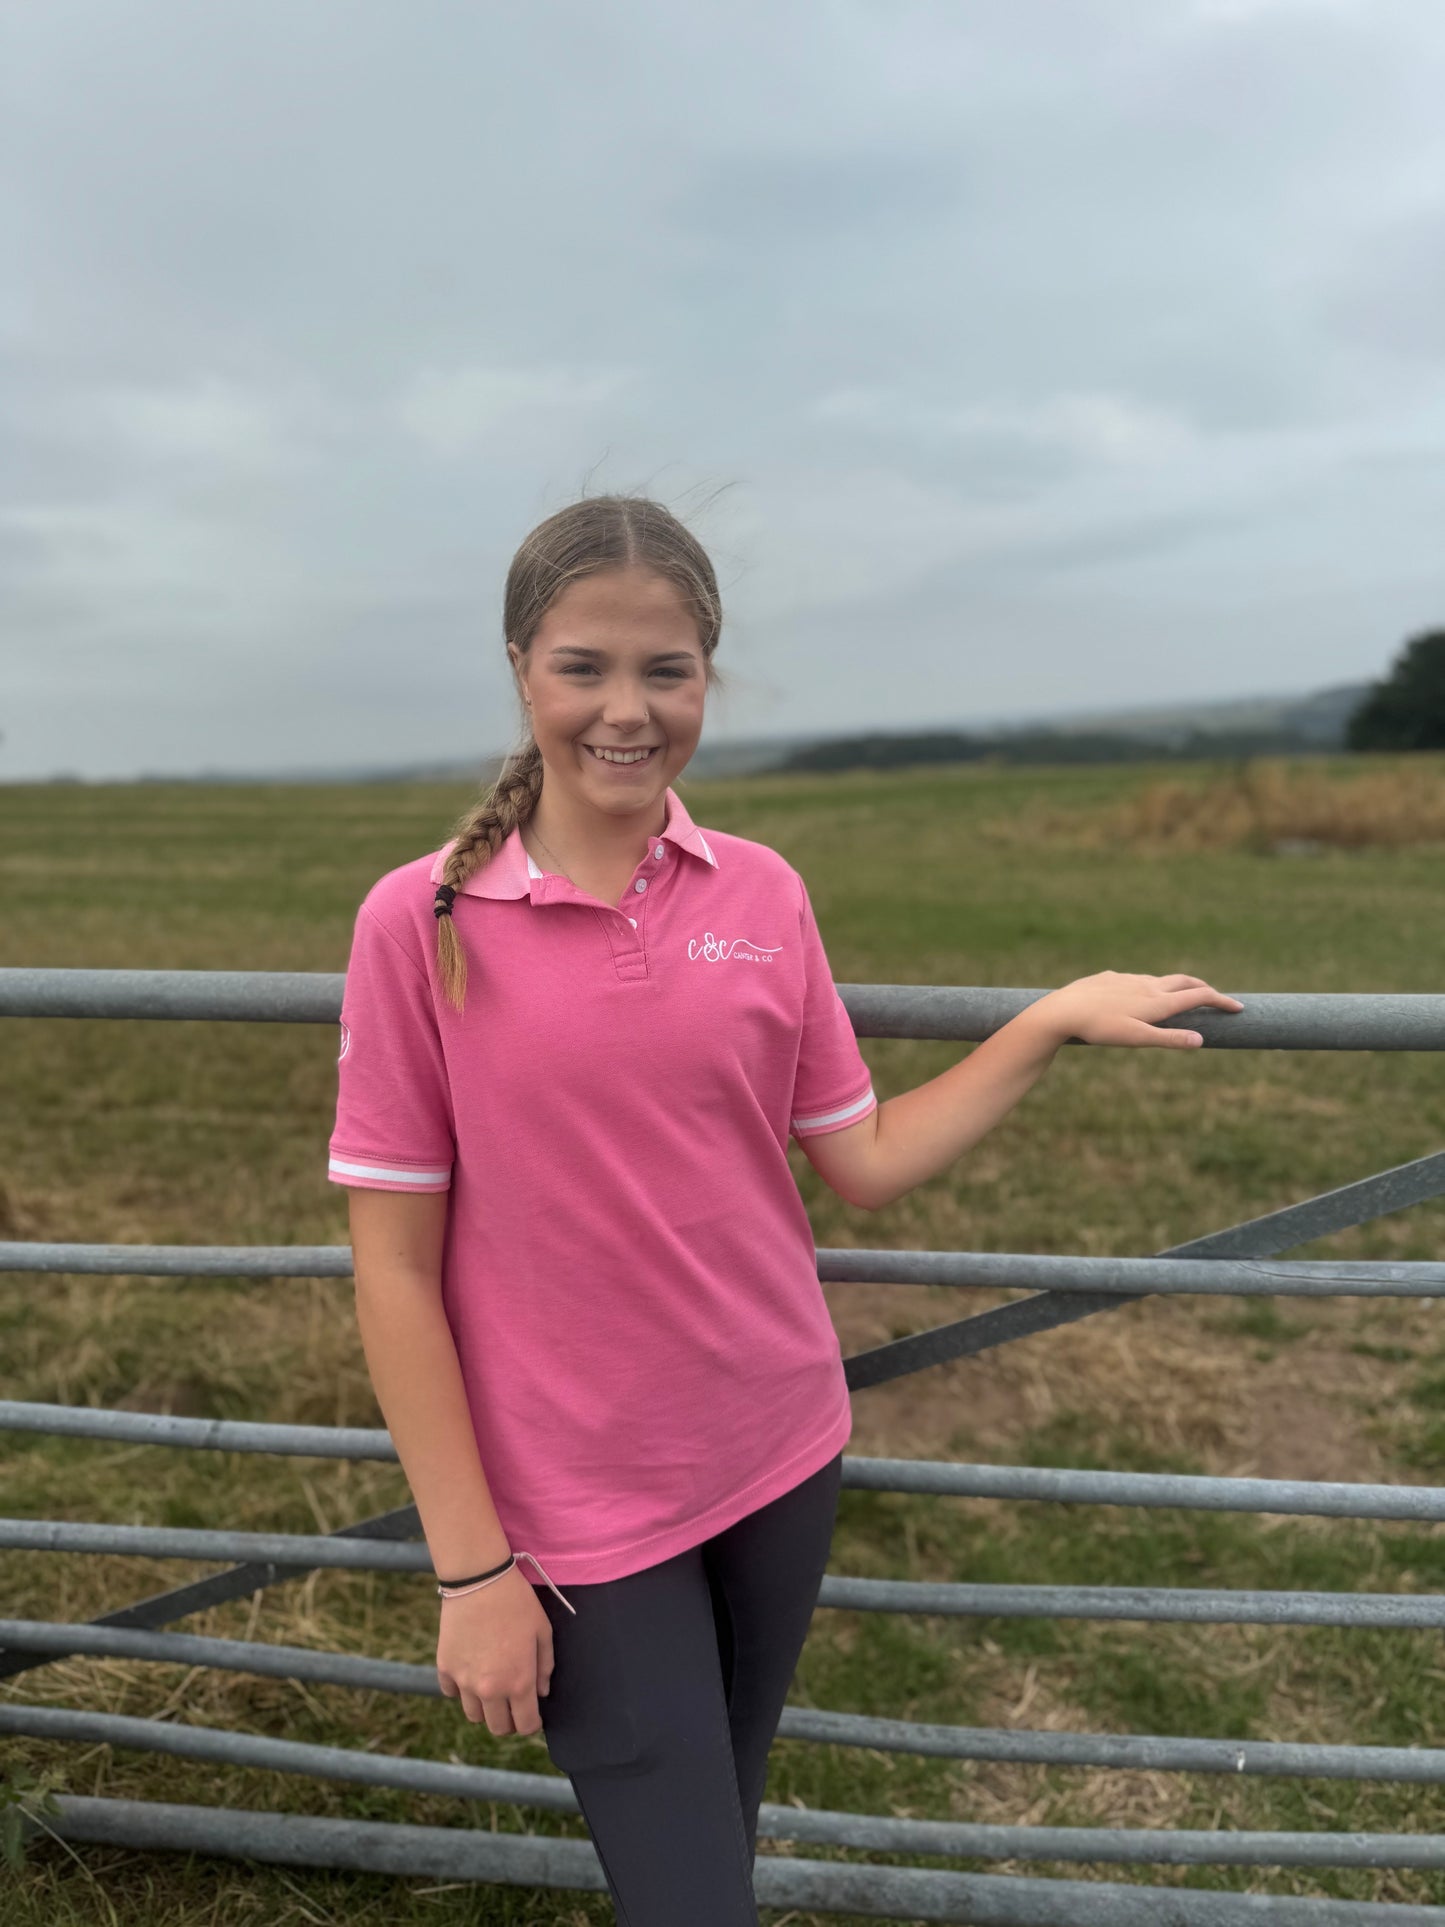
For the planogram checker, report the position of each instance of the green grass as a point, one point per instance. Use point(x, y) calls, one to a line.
point(216, 1133)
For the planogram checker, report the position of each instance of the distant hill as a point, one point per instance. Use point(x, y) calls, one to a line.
point(1249, 726)
point(1319, 718)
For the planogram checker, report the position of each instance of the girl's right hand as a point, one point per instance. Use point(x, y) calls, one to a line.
point(494, 1654)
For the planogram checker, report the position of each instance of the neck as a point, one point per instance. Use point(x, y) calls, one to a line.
point(592, 838)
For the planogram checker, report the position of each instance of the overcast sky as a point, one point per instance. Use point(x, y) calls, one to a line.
point(1048, 355)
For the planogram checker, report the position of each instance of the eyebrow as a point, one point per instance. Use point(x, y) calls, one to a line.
point(667, 655)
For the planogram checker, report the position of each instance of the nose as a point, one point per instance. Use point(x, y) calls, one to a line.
point(625, 708)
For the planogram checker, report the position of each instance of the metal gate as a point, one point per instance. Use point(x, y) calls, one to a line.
point(1241, 1259)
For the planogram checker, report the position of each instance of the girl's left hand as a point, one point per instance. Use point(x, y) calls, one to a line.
point(1113, 1007)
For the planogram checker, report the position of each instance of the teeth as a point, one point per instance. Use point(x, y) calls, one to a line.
point(620, 755)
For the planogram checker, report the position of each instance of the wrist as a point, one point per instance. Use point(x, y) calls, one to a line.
point(1046, 1021)
point(486, 1589)
point(452, 1563)
point(494, 1571)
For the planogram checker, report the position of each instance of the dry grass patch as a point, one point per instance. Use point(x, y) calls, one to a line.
point(1257, 804)
point(1178, 1375)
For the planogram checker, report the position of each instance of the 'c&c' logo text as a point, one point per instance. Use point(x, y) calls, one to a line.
point(713, 949)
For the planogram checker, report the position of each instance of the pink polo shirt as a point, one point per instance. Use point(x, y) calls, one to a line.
point(629, 1272)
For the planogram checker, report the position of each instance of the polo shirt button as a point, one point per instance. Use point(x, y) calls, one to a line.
point(658, 853)
point(633, 922)
point(641, 884)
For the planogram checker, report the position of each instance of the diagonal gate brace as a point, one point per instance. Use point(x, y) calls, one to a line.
point(1265, 1237)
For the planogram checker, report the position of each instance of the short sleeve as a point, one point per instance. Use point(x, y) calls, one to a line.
point(832, 1086)
point(394, 1128)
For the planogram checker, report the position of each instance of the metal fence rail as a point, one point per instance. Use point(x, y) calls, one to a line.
point(1060, 1290)
point(1136, 1752)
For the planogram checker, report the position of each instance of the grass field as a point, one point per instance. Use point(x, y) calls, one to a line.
point(1320, 877)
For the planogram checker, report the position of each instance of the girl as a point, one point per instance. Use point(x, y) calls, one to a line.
point(574, 1043)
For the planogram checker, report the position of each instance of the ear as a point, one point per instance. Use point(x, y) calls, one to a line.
point(517, 676)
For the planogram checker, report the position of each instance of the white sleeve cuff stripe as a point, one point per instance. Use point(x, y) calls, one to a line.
point(350, 1168)
point(856, 1108)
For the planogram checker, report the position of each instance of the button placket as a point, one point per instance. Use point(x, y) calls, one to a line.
point(656, 853)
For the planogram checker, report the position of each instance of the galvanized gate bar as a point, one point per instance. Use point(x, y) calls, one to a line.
point(197, 1434)
point(300, 1551)
point(875, 1833)
point(181, 1261)
point(938, 1477)
point(1066, 1485)
point(1128, 1752)
point(212, 996)
point(1270, 1020)
point(1211, 1606)
point(986, 1270)
point(908, 1893)
point(226, 1746)
point(265, 1658)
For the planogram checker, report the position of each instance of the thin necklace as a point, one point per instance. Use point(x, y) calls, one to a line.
point(548, 851)
point(551, 853)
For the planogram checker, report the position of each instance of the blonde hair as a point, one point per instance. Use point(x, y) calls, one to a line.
point(596, 533)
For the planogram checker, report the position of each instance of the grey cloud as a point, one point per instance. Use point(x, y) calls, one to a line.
point(318, 309)
point(1390, 295)
point(797, 202)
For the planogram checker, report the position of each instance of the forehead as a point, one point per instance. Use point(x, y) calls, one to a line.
point(617, 606)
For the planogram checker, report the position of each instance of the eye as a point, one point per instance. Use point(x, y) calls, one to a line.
point(585, 668)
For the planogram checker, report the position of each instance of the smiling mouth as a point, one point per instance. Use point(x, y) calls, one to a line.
point(623, 759)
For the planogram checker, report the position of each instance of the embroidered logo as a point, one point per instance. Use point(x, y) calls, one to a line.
point(345, 1043)
point(736, 949)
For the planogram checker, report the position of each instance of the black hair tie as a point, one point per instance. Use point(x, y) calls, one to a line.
point(442, 906)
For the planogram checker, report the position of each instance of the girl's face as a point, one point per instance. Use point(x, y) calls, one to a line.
point(616, 663)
